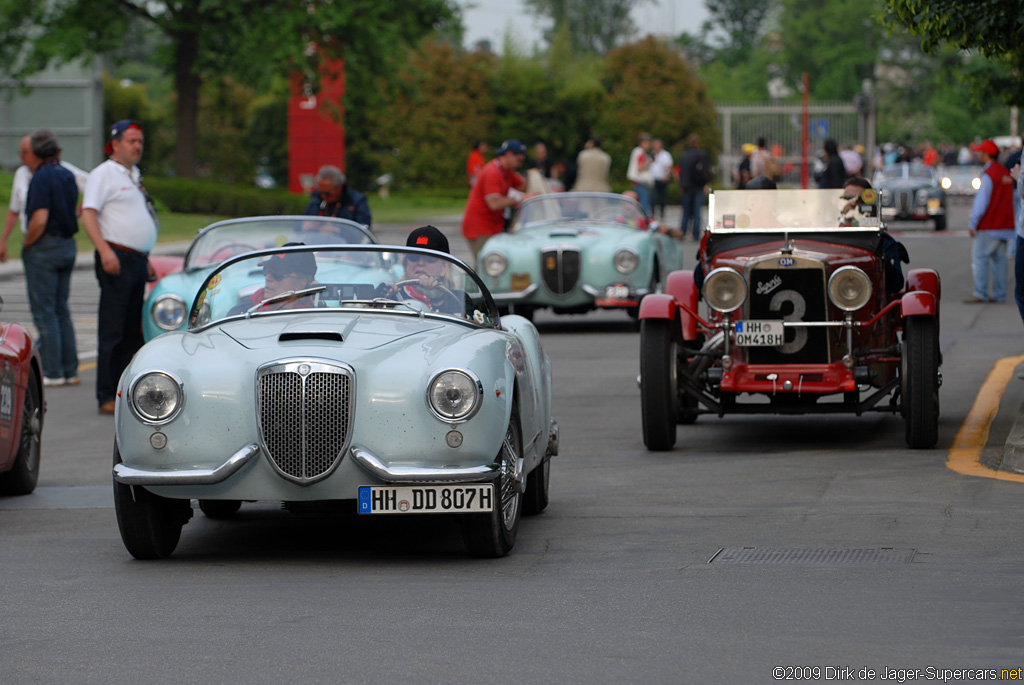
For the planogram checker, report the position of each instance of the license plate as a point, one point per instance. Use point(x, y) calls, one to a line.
point(616, 292)
point(934, 203)
point(760, 333)
point(426, 499)
point(520, 282)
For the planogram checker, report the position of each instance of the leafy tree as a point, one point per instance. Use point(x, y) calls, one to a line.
point(249, 39)
point(738, 25)
point(992, 28)
point(594, 26)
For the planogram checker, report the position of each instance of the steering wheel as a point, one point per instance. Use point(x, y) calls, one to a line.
point(414, 281)
point(228, 250)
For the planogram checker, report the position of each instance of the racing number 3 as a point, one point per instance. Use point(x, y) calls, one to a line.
point(799, 309)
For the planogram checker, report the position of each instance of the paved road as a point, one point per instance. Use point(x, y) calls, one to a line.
point(638, 572)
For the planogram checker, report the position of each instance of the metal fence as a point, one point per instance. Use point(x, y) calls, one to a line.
point(781, 125)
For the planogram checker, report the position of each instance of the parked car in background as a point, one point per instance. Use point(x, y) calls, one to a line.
point(178, 279)
point(794, 316)
point(22, 406)
point(372, 388)
point(960, 182)
point(910, 191)
point(576, 252)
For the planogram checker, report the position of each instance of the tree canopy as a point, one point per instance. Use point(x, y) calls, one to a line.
point(593, 26)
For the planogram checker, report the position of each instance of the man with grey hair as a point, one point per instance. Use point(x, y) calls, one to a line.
point(333, 197)
point(49, 258)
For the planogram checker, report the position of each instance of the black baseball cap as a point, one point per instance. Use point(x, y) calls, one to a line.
point(428, 237)
point(285, 263)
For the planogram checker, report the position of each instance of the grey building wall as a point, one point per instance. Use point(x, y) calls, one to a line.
point(67, 100)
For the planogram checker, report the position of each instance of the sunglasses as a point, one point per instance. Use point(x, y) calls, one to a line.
point(421, 257)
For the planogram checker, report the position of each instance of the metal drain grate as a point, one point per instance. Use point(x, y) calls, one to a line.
point(807, 557)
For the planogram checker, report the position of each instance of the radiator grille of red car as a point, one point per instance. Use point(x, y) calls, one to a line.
point(795, 295)
point(560, 270)
point(305, 418)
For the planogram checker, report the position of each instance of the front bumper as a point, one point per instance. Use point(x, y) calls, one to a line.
point(128, 475)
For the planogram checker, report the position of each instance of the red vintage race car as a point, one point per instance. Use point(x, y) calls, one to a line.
point(798, 306)
point(21, 410)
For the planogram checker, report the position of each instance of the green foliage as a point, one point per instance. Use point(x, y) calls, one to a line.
point(652, 88)
point(192, 196)
point(593, 27)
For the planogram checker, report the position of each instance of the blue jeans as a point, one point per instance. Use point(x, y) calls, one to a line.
point(692, 200)
point(48, 265)
point(643, 194)
point(988, 255)
point(120, 319)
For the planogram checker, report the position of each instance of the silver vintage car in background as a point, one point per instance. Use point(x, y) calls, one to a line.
point(399, 395)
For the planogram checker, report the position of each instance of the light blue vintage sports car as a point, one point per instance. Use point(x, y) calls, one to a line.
point(383, 378)
point(168, 300)
point(575, 252)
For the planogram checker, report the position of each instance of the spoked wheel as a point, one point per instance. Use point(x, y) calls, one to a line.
point(535, 499)
point(220, 508)
point(659, 390)
point(23, 476)
point(150, 525)
point(920, 382)
point(494, 534)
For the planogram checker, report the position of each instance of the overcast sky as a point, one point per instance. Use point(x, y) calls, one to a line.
point(489, 19)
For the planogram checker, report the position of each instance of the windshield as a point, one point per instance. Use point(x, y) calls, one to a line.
point(224, 240)
point(745, 210)
point(325, 279)
point(904, 171)
point(582, 208)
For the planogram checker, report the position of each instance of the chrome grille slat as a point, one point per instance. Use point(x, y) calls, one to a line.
point(305, 419)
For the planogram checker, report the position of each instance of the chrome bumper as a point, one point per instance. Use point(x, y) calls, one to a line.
point(418, 474)
point(506, 297)
point(128, 475)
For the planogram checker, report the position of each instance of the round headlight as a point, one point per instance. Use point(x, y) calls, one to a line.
point(922, 197)
point(494, 264)
point(976, 183)
point(156, 397)
point(849, 288)
point(626, 260)
point(168, 312)
point(454, 395)
point(947, 182)
point(725, 290)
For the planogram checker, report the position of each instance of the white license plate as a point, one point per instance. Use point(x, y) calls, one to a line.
point(616, 292)
point(760, 333)
point(470, 498)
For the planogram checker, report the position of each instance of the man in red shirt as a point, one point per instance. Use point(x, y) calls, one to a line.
point(489, 197)
point(991, 226)
point(475, 161)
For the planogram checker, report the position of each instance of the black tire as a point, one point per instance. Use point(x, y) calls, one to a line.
point(493, 535)
point(940, 223)
point(220, 508)
point(535, 499)
point(150, 525)
point(24, 474)
point(659, 394)
point(920, 384)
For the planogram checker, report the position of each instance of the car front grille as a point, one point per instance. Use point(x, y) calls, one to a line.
point(903, 200)
point(305, 412)
point(794, 294)
point(560, 270)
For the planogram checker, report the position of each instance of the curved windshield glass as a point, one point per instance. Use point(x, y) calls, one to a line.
point(745, 210)
point(325, 279)
point(581, 208)
point(221, 241)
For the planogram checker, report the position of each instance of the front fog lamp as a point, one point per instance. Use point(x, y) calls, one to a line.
point(156, 397)
point(725, 290)
point(454, 395)
point(849, 288)
point(495, 264)
point(626, 261)
point(168, 312)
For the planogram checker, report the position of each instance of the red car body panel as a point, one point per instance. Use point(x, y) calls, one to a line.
point(18, 356)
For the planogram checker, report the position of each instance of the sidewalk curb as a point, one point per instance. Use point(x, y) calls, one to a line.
point(1013, 450)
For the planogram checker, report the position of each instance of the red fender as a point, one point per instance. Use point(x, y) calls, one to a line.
point(658, 306)
point(680, 292)
point(919, 303)
point(926, 280)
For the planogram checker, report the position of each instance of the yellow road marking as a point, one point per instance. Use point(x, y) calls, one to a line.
point(86, 367)
point(965, 454)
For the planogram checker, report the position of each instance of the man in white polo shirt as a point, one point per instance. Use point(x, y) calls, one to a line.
point(118, 216)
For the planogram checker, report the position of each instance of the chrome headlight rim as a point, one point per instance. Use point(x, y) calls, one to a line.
point(626, 260)
point(718, 274)
point(494, 263)
point(836, 281)
point(162, 300)
point(152, 419)
point(922, 196)
point(478, 396)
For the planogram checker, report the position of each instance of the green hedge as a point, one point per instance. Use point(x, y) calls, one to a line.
point(192, 196)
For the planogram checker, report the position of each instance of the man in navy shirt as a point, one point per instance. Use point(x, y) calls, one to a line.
point(49, 258)
point(333, 197)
